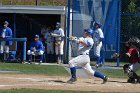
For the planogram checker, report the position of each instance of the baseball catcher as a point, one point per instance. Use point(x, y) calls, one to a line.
point(132, 47)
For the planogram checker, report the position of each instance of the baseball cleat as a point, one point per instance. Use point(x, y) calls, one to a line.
point(71, 80)
point(105, 80)
point(96, 65)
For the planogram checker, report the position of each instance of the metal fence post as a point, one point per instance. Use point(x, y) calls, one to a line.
point(67, 34)
point(119, 27)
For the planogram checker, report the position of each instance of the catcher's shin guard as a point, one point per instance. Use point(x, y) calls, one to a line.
point(133, 77)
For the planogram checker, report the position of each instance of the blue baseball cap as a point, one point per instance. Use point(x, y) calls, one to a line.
point(36, 36)
point(6, 22)
point(98, 23)
point(88, 31)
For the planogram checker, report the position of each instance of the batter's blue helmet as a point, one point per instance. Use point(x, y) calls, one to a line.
point(98, 23)
point(88, 31)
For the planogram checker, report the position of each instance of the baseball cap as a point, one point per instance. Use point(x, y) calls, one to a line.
point(36, 36)
point(98, 23)
point(58, 24)
point(88, 31)
point(6, 22)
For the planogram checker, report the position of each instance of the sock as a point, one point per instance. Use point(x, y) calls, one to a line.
point(99, 75)
point(48, 58)
point(56, 58)
point(30, 57)
point(62, 58)
point(41, 57)
point(101, 60)
point(98, 60)
point(73, 72)
point(7, 55)
point(2, 57)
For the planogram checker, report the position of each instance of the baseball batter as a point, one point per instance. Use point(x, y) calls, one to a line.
point(98, 38)
point(59, 42)
point(83, 60)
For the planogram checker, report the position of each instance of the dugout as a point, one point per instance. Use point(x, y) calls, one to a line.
point(26, 21)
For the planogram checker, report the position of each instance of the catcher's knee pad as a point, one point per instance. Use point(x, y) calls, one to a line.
point(126, 68)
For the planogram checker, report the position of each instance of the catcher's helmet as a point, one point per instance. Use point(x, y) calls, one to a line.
point(133, 42)
point(58, 25)
point(88, 31)
point(98, 23)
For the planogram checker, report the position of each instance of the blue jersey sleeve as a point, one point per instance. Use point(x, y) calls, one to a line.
point(9, 33)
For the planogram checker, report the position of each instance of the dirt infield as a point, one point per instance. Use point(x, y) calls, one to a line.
point(10, 81)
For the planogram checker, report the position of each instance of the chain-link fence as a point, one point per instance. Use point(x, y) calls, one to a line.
point(130, 21)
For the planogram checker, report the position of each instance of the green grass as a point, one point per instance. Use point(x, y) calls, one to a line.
point(113, 73)
point(53, 70)
point(50, 70)
point(45, 91)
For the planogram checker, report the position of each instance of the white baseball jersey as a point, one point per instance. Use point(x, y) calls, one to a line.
point(83, 49)
point(97, 35)
point(83, 60)
point(59, 38)
point(48, 37)
point(43, 31)
point(60, 32)
point(50, 42)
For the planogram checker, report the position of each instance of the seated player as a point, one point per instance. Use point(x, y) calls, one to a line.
point(36, 48)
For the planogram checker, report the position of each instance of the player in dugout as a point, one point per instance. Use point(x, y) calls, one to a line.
point(36, 48)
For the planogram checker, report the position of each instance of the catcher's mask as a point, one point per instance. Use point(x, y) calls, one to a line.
point(134, 41)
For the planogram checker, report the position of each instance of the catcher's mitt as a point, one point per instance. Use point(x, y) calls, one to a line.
point(115, 56)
